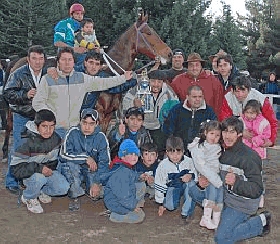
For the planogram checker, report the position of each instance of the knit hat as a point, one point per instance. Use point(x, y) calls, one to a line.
point(157, 74)
point(128, 147)
point(89, 112)
point(178, 51)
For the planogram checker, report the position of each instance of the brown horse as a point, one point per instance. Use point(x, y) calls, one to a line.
point(137, 39)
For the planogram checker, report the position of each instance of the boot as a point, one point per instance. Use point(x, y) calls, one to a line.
point(216, 218)
point(206, 220)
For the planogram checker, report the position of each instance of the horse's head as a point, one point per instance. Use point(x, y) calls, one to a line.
point(148, 41)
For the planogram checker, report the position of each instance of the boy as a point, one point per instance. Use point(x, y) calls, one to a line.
point(85, 157)
point(243, 185)
point(132, 129)
point(86, 36)
point(147, 166)
point(35, 161)
point(174, 176)
point(124, 194)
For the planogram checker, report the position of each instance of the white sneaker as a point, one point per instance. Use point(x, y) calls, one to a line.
point(44, 198)
point(33, 205)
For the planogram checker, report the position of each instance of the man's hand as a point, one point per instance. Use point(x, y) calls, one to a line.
point(186, 178)
point(79, 49)
point(248, 134)
point(137, 102)
point(95, 190)
point(52, 72)
point(267, 143)
point(46, 171)
point(161, 209)
point(128, 75)
point(31, 93)
point(230, 178)
point(91, 164)
point(203, 181)
point(121, 128)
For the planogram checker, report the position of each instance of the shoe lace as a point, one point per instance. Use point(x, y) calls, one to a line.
point(34, 202)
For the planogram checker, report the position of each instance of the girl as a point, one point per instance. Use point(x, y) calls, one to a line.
point(258, 127)
point(205, 152)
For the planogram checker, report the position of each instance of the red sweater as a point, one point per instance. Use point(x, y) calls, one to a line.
point(211, 86)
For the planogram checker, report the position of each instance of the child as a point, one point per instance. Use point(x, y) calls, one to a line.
point(124, 194)
point(205, 152)
point(85, 158)
point(35, 162)
point(147, 166)
point(132, 129)
point(174, 176)
point(258, 127)
point(86, 36)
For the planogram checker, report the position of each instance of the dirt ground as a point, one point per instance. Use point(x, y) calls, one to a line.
point(58, 225)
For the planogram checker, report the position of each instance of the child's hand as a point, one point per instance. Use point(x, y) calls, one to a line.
point(186, 178)
point(150, 179)
point(230, 178)
point(137, 209)
point(121, 128)
point(91, 164)
point(161, 209)
point(144, 177)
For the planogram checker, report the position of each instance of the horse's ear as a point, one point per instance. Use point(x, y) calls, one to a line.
point(140, 14)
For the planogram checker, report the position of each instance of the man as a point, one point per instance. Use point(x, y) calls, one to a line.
point(213, 59)
point(184, 119)
point(64, 31)
point(85, 158)
point(177, 68)
point(243, 184)
point(19, 92)
point(235, 100)
point(196, 75)
point(64, 96)
point(227, 71)
point(161, 93)
point(93, 66)
point(35, 162)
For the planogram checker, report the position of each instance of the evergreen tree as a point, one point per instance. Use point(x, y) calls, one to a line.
point(25, 23)
point(227, 35)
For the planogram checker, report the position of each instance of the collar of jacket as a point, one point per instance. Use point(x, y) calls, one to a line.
point(186, 105)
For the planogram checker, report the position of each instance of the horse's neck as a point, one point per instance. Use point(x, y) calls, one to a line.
point(123, 52)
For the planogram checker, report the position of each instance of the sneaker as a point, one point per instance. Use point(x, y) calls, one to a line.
point(44, 198)
point(74, 204)
point(187, 219)
point(33, 205)
point(266, 228)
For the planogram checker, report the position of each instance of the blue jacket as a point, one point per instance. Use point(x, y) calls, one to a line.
point(90, 98)
point(120, 190)
point(78, 147)
point(185, 123)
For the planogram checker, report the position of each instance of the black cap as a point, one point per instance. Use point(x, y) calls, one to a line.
point(178, 51)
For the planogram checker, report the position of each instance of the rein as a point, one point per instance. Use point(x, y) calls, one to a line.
point(139, 33)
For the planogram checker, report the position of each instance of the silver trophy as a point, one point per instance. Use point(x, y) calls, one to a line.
point(144, 92)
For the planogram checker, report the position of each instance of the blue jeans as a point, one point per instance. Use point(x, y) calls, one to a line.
point(76, 174)
point(19, 123)
point(214, 194)
point(54, 185)
point(236, 226)
point(132, 216)
point(197, 194)
point(173, 197)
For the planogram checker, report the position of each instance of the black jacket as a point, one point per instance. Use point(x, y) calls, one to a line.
point(16, 89)
point(34, 153)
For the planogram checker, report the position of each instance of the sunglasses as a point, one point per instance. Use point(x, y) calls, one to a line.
point(177, 53)
point(134, 110)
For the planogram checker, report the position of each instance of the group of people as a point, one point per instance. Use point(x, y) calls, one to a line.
point(204, 139)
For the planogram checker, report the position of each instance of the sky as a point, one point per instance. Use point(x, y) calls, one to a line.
point(236, 6)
